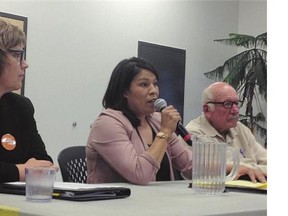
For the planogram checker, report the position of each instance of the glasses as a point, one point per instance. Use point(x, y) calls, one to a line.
point(17, 54)
point(228, 104)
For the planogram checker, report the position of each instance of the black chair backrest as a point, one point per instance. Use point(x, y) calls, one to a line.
point(72, 163)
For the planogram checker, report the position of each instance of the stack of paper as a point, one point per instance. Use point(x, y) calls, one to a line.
point(247, 185)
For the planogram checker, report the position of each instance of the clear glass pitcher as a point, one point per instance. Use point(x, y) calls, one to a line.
point(209, 165)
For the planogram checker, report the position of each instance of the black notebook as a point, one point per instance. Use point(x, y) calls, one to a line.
point(73, 191)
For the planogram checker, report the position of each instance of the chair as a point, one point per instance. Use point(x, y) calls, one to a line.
point(72, 163)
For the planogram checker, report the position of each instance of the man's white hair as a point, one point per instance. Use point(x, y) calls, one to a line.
point(208, 96)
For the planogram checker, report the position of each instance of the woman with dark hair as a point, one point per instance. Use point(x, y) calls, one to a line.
point(21, 145)
point(129, 141)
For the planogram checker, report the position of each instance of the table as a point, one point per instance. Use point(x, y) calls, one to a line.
point(157, 198)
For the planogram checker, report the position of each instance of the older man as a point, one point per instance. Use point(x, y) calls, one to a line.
point(220, 106)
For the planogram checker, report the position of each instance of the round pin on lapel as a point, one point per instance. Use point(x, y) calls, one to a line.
point(8, 142)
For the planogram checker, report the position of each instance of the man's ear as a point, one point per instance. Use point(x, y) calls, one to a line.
point(206, 110)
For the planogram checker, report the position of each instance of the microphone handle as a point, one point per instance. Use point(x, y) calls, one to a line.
point(180, 130)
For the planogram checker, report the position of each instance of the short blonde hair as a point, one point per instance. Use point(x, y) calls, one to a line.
point(10, 36)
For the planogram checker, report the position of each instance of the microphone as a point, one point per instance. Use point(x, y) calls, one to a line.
point(161, 104)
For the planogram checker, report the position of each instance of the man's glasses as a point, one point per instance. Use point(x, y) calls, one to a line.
point(17, 54)
point(228, 104)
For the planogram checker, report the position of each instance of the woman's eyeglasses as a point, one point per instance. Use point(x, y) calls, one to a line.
point(17, 54)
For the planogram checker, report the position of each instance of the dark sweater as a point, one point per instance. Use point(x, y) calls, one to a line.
point(17, 119)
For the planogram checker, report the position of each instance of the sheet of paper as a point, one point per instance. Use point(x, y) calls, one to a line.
point(78, 186)
point(247, 184)
point(69, 185)
point(16, 183)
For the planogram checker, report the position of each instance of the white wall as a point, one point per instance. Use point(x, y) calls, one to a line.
point(73, 47)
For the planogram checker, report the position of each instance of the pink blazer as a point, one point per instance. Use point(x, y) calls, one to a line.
point(115, 152)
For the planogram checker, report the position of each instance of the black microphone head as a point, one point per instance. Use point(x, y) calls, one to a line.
point(160, 104)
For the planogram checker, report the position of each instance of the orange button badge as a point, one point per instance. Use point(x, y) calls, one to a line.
point(8, 142)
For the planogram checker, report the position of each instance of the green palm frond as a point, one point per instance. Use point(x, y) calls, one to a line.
point(231, 65)
point(247, 41)
point(259, 118)
point(239, 40)
point(262, 40)
point(216, 74)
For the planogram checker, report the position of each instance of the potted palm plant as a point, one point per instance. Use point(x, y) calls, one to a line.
point(247, 73)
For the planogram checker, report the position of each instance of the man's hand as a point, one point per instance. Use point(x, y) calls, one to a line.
point(253, 173)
